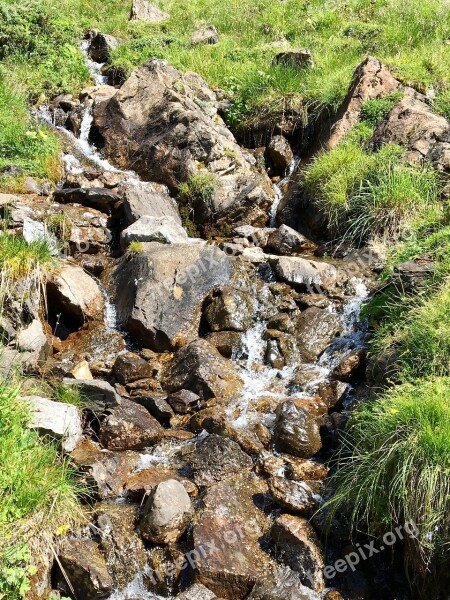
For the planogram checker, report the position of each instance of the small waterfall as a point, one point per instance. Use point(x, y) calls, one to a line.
point(95, 68)
point(279, 193)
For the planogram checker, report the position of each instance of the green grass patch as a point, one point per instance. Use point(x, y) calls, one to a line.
point(375, 110)
point(395, 466)
point(196, 196)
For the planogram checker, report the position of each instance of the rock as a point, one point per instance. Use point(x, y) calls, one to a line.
point(282, 585)
point(184, 402)
point(123, 548)
point(101, 199)
point(332, 392)
point(172, 126)
point(166, 513)
point(257, 236)
point(226, 342)
point(309, 273)
point(75, 296)
point(218, 458)
point(424, 134)
point(229, 309)
point(154, 229)
point(371, 80)
point(299, 548)
point(33, 340)
point(61, 421)
point(130, 367)
point(130, 427)
point(196, 592)
point(143, 11)
point(300, 58)
point(144, 200)
point(315, 329)
point(167, 564)
point(141, 484)
point(296, 497)
point(287, 241)
point(300, 469)
point(206, 35)
point(280, 153)
point(350, 364)
point(85, 568)
point(200, 368)
point(156, 405)
point(98, 395)
point(101, 45)
point(413, 274)
point(227, 553)
point(159, 292)
point(296, 430)
point(34, 231)
point(82, 371)
point(32, 186)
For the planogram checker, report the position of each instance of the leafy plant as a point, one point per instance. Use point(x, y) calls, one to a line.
point(196, 194)
point(375, 110)
point(15, 572)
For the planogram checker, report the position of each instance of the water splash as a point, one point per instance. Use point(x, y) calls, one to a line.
point(279, 193)
point(137, 589)
point(95, 68)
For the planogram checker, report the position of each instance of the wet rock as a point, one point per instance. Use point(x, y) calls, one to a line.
point(141, 484)
point(281, 349)
point(218, 458)
point(171, 124)
point(58, 420)
point(98, 395)
point(296, 430)
point(306, 375)
point(287, 241)
point(350, 364)
point(154, 229)
point(295, 496)
point(130, 367)
point(206, 35)
point(229, 309)
point(101, 199)
point(332, 392)
point(85, 568)
point(196, 592)
point(280, 153)
point(101, 45)
point(300, 469)
point(184, 402)
point(371, 80)
point(159, 292)
point(156, 404)
point(300, 549)
point(256, 236)
point(129, 427)
point(299, 271)
point(166, 564)
point(75, 296)
point(226, 342)
point(284, 584)
point(226, 536)
point(166, 513)
point(145, 199)
point(308, 300)
point(122, 547)
point(316, 328)
point(413, 274)
point(383, 368)
point(300, 58)
point(33, 341)
point(143, 11)
point(200, 368)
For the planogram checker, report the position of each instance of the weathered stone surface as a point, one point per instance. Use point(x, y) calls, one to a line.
point(284, 584)
point(226, 342)
point(99, 395)
point(171, 124)
point(413, 274)
point(166, 564)
point(184, 402)
point(101, 45)
point(56, 419)
point(130, 367)
point(229, 309)
point(166, 513)
point(129, 427)
point(144, 11)
point(196, 592)
point(280, 153)
point(122, 547)
point(229, 559)
point(75, 295)
point(309, 273)
point(350, 364)
point(218, 458)
point(102, 199)
point(82, 371)
point(315, 329)
point(200, 368)
point(160, 291)
point(206, 35)
point(296, 430)
point(164, 230)
point(295, 58)
point(33, 341)
point(300, 549)
point(144, 199)
point(287, 241)
point(85, 568)
point(296, 497)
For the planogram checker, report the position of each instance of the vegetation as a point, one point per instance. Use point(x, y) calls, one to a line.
point(395, 467)
point(196, 194)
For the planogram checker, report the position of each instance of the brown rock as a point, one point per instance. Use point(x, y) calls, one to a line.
point(206, 35)
point(296, 430)
point(280, 153)
point(130, 427)
point(218, 458)
point(226, 342)
point(296, 497)
point(316, 328)
point(350, 364)
point(130, 367)
point(142, 10)
point(184, 402)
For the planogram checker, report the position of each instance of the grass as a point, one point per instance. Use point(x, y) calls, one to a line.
point(196, 196)
point(395, 468)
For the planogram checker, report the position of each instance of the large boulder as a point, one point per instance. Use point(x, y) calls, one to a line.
point(97, 395)
point(145, 199)
point(61, 421)
point(173, 133)
point(200, 368)
point(142, 10)
point(166, 513)
point(315, 330)
point(296, 430)
point(229, 309)
point(314, 275)
point(154, 229)
point(159, 292)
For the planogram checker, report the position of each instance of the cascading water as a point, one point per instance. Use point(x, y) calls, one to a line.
point(278, 189)
point(95, 68)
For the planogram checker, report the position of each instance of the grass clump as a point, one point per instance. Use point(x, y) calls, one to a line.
point(135, 247)
point(395, 468)
point(196, 195)
point(375, 110)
